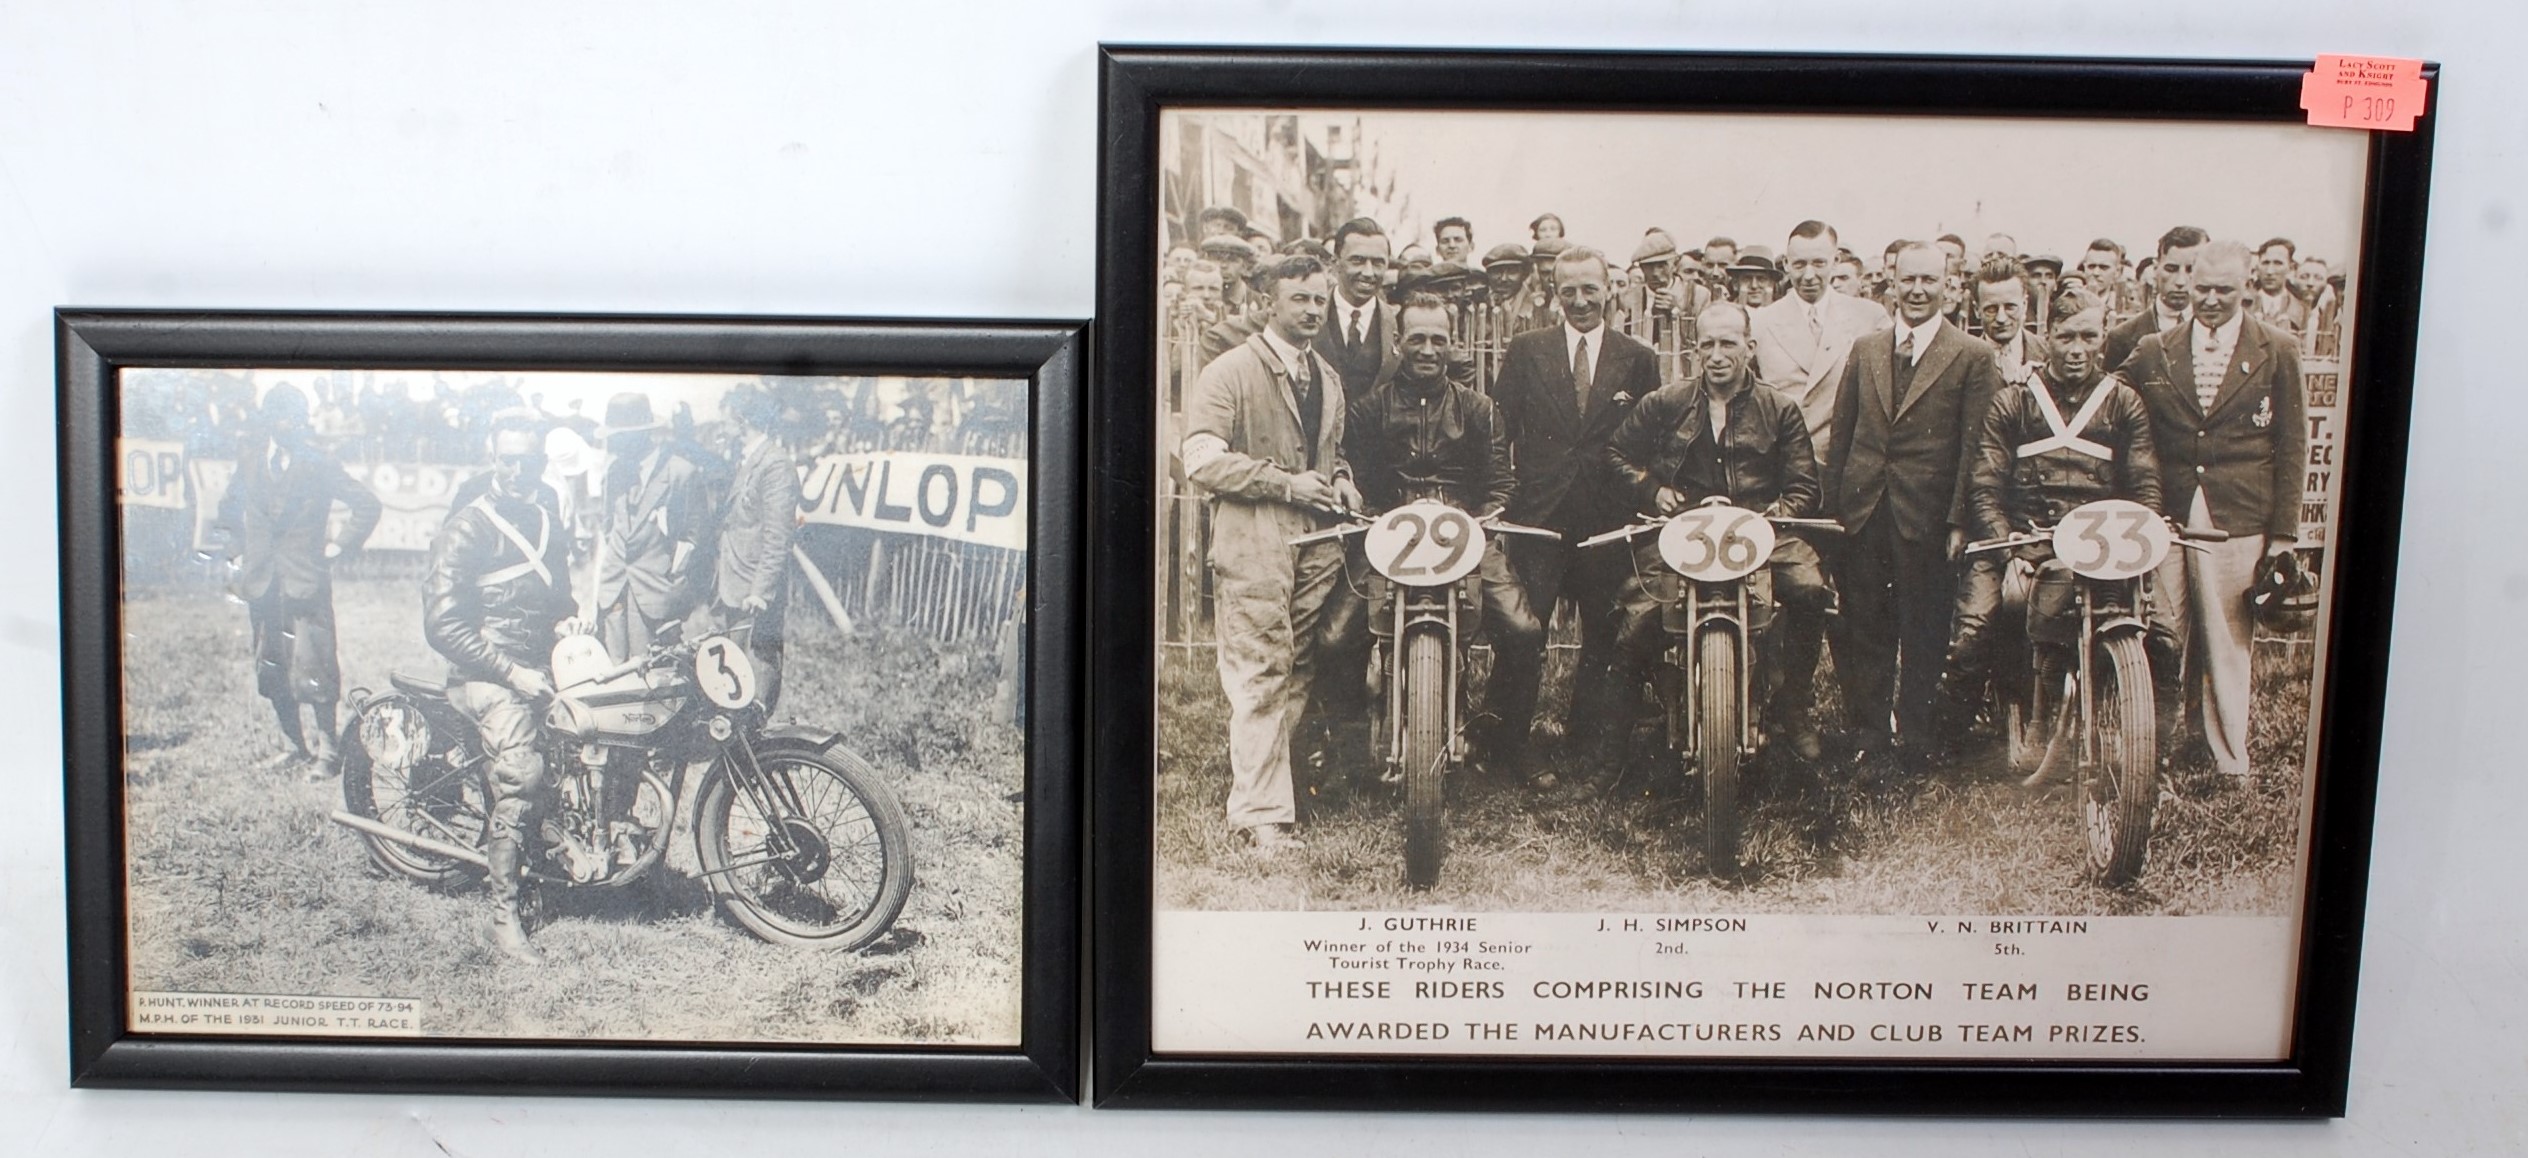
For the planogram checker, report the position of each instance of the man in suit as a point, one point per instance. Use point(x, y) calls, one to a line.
point(2002, 301)
point(751, 578)
point(1264, 438)
point(2228, 417)
point(2174, 269)
point(1562, 393)
point(654, 545)
point(1802, 340)
point(1362, 346)
point(1907, 416)
point(277, 512)
point(2273, 303)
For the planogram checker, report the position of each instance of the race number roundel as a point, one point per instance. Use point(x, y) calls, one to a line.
point(2112, 539)
point(1717, 543)
point(1425, 544)
point(726, 675)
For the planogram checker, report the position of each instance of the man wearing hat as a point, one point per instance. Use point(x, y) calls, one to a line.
point(1753, 278)
point(750, 580)
point(650, 553)
point(1661, 300)
point(276, 512)
point(2045, 280)
point(1219, 221)
point(1543, 295)
point(1236, 259)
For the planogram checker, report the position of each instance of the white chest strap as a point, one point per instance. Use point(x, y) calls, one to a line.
point(2066, 435)
point(534, 552)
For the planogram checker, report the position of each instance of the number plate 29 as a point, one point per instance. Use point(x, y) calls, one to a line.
point(1716, 544)
point(1425, 544)
point(2112, 539)
point(725, 674)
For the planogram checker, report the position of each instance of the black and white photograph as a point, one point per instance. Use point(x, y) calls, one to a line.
point(550, 705)
point(1731, 584)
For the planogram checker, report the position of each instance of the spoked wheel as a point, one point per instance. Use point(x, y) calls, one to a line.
point(1717, 730)
point(2119, 788)
point(814, 855)
point(401, 771)
point(1423, 758)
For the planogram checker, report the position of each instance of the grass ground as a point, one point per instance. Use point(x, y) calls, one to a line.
point(239, 883)
point(1968, 840)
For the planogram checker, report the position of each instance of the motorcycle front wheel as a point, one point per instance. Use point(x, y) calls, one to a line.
point(399, 770)
point(2120, 786)
point(1717, 730)
point(1423, 759)
point(817, 855)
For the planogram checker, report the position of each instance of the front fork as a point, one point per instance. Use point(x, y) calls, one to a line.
point(1421, 609)
point(773, 797)
point(2088, 640)
point(1729, 605)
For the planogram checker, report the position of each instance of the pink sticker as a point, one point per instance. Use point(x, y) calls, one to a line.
point(2364, 92)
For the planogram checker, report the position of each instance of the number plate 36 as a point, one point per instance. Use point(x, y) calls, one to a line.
point(2112, 539)
point(1717, 543)
point(725, 674)
point(1425, 544)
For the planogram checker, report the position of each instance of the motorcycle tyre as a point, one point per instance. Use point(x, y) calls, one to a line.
point(2120, 789)
point(1423, 758)
point(711, 818)
point(359, 797)
point(1717, 729)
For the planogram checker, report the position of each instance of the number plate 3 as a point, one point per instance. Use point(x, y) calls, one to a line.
point(725, 674)
point(1425, 544)
point(2112, 539)
point(1717, 543)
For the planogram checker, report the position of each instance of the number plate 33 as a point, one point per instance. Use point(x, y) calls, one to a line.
point(2112, 539)
point(1715, 544)
point(725, 674)
point(1425, 544)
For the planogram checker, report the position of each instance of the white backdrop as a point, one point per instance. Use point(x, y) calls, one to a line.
point(938, 159)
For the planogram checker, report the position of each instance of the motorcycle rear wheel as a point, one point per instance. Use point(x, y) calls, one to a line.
point(1423, 759)
point(1717, 730)
point(2121, 786)
point(843, 880)
point(396, 770)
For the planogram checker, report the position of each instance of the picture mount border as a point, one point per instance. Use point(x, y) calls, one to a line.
point(93, 345)
point(1137, 82)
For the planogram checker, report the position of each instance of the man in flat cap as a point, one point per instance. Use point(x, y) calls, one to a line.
point(2045, 280)
point(1219, 221)
point(276, 513)
point(652, 551)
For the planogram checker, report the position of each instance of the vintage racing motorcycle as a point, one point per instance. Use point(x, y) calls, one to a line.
point(2100, 714)
point(799, 839)
point(1706, 681)
point(1426, 555)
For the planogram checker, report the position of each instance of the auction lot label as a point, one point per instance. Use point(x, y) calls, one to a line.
point(1690, 985)
point(274, 1014)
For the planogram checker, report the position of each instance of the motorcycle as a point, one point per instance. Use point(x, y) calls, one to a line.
point(1705, 681)
point(798, 838)
point(1429, 553)
point(2101, 713)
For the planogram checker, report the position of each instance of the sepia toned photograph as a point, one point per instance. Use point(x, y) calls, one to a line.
point(1731, 584)
point(579, 706)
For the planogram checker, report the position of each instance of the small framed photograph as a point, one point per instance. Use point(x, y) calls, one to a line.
point(632, 705)
point(1784, 583)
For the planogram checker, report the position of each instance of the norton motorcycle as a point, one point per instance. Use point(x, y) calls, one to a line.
point(1426, 555)
point(1706, 681)
point(797, 838)
point(2099, 712)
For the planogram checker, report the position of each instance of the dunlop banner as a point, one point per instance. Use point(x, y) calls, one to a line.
point(952, 496)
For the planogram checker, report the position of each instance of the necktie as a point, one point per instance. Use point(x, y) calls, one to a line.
point(1905, 347)
point(1580, 371)
point(1816, 329)
point(1356, 327)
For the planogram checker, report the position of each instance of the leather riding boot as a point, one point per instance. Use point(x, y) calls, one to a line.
point(508, 928)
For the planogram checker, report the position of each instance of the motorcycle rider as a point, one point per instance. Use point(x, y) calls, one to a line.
point(499, 585)
point(2070, 435)
point(1724, 435)
point(1417, 436)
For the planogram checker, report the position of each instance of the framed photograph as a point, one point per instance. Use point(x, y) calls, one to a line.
point(1724, 582)
point(620, 705)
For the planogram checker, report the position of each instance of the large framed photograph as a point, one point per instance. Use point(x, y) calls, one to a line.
point(501, 703)
point(1739, 582)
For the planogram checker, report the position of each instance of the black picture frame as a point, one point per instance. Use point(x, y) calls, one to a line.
point(1138, 82)
point(94, 344)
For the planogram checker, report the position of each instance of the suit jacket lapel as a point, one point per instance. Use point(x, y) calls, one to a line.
point(1557, 378)
point(1281, 376)
point(2177, 346)
point(1945, 344)
point(2244, 358)
point(1604, 385)
point(1880, 371)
